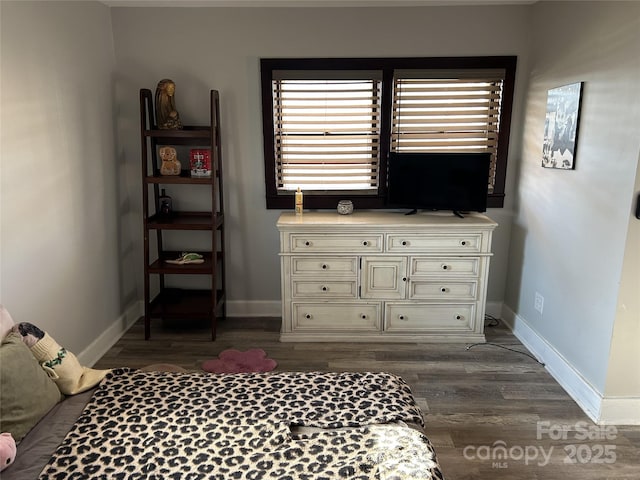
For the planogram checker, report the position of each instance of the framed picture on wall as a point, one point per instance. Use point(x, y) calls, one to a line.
point(561, 126)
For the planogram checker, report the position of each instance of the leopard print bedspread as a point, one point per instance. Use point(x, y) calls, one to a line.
point(159, 426)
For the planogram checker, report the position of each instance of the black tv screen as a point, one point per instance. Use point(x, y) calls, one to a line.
point(438, 181)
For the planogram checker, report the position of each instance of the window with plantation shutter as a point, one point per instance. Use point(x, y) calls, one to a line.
point(330, 123)
point(326, 134)
point(447, 112)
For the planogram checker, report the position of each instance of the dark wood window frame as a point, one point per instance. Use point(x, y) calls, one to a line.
point(276, 200)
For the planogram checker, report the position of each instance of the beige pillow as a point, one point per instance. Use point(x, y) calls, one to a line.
point(6, 322)
point(26, 391)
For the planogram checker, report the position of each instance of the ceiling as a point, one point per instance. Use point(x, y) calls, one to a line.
point(308, 3)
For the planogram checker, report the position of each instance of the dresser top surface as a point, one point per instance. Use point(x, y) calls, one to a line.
point(390, 219)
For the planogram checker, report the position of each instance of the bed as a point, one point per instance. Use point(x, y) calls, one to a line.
point(278, 425)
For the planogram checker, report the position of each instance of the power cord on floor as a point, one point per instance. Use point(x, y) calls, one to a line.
point(491, 321)
point(506, 348)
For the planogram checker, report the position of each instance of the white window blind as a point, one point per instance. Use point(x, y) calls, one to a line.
point(326, 133)
point(447, 112)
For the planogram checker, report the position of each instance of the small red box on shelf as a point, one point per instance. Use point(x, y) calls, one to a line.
point(200, 160)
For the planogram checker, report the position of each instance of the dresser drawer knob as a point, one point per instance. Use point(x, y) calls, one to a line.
point(404, 243)
point(463, 243)
point(324, 289)
point(365, 243)
point(307, 316)
point(307, 243)
point(325, 266)
point(458, 317)
point(363, 316)
point(401, 317)
point(404, 279)
point(443, 289)
point(445, 267)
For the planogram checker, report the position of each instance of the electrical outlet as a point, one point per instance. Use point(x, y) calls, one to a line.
point(538, 303)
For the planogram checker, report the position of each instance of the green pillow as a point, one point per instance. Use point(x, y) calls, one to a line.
point(26, 391)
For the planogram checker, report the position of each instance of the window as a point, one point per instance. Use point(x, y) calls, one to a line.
point(326, 134)
point(329, 124)
point(447, 112)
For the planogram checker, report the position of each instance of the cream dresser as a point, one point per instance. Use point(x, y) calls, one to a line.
point(384, 276)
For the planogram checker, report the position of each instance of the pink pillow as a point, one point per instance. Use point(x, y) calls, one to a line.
point(7, 450)
point(6, 322)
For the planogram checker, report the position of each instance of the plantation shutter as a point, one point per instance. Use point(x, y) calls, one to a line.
point(447, 111)
point(326, 130)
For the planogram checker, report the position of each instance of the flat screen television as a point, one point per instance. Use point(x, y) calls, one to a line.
point(438, 181)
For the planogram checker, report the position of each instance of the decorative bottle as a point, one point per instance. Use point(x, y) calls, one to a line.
point(299, 202)
point(165, 204)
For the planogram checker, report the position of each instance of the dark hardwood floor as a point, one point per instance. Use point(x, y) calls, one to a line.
point(491, 413)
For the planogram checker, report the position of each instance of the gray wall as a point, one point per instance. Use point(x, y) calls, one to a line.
point(570, 231)
point(203, 48)
point(64, 252)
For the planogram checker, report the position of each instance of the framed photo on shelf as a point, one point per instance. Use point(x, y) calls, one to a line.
point(200, 162)
point(561, 124)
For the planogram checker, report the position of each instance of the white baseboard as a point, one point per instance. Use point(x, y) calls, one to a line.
point(244, 308)
point(101, 345)
point(569, 378)
point(602, 410)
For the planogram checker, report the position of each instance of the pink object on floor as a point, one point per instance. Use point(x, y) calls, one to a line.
point(7, 450)
point(235, 361)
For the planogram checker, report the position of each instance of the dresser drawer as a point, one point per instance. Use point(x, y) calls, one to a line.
point(445, 243)
point(443, 290)
point(342, 266)
point(325, 290)
point(403, 318)
point(445, 266)
point(347, 317)
point(365, 243)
